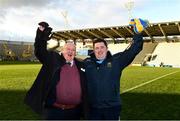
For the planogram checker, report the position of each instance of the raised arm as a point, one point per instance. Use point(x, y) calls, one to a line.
point(42, 36)
point(136, 46)
point(130, 53)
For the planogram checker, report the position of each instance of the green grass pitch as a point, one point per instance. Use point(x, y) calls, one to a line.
point(147, 93)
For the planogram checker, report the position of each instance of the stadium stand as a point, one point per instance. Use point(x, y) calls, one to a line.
point(154, 34)
point(27, 52)
point(1, 51)
point(154, 50)
point(114, 48)
point(148, 49)
point(8, 54)
point(14, 50)
point(166, 54)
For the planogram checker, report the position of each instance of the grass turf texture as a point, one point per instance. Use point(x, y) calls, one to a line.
point(159, 99)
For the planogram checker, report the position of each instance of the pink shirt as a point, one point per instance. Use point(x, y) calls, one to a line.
point(68, 89)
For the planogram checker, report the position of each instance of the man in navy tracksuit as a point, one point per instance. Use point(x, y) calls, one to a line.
point(103, 72)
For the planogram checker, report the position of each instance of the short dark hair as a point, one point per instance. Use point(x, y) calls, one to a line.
point(99, 40)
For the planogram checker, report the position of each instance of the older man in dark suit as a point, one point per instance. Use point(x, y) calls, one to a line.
point(58, 91)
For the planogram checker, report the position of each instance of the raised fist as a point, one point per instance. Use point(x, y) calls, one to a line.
point(44, 24)
point(43, 31)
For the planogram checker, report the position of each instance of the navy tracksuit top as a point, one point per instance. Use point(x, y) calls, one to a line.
point(103, 79)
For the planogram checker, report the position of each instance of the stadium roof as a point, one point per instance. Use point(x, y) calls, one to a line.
point(164, 30)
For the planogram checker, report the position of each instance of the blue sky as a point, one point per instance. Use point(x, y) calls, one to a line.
point(19, 18)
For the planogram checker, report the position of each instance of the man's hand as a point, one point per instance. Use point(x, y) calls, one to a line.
point(44, 31)
point(43, 24)
point(41, 28)
point(138, 25)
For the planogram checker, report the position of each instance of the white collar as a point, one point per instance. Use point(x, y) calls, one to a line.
point(70, 62)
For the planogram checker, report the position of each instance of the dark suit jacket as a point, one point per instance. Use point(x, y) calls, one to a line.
point(52, 62)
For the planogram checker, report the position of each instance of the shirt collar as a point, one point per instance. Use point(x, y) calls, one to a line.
point(99, 61)
point(71, 62)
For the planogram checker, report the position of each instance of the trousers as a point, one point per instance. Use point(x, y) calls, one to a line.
point(111, 113)
point(62, 114)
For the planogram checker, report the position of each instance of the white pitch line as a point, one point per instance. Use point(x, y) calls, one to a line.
point(140, 85)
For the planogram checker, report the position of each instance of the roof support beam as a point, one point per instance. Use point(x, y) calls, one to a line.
point(72, 35)
point(58, 37)
point(62, 34)
point(130, 31)
point(106, 34)
point(118, 33)
point(178, 26)
point(160, 27)
point(97, 36)
point(123, 32)
point(146, 31)
point(164, 34)
point(85, 36)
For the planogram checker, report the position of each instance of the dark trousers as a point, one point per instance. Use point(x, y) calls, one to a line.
point(60, 114)
point(112, 113)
